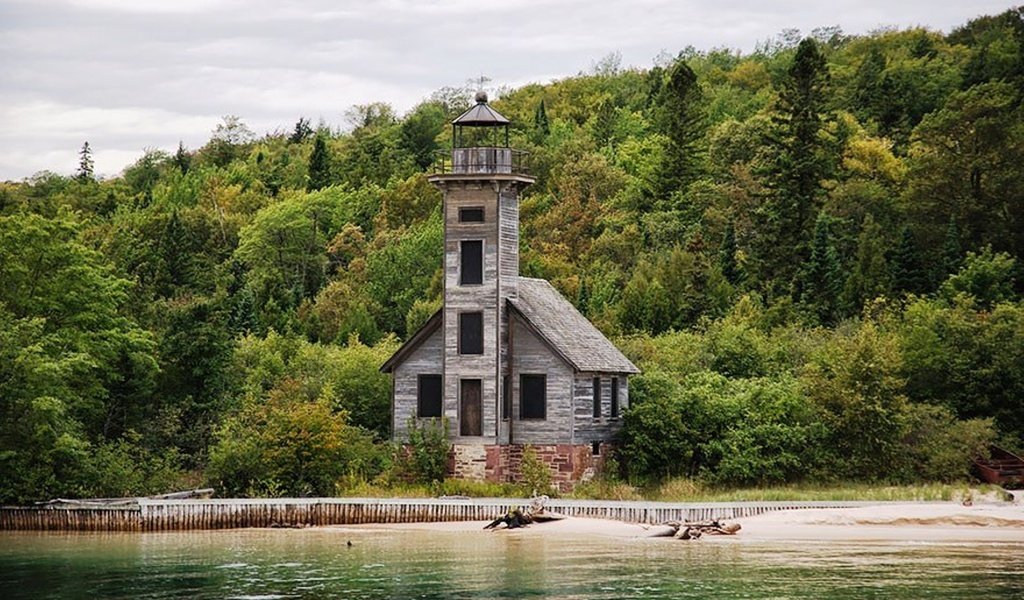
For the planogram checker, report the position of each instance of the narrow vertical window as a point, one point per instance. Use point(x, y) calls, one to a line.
point(615, 397)
point(471, 333)
point(597, 396)
point(533, 396)
point(506, 397)
point(428, 396)
point(471, 262)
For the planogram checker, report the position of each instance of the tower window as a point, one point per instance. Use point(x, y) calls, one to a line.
point(471, 215)
point(471, 267)
point(597, 396)
point(428, 396)
point(533, 392)
point(615, 397)
point(471, 333)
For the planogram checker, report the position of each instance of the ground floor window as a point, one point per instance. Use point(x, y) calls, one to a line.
point(428, 396)
point(533, 400)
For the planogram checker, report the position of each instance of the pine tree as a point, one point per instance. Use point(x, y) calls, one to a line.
point(681, 118)
point(540, 120)
point(319, 166)
point(821, 282)
point(583, 297)
point(85, 163)
point(182, 159)
point(301, 132)
point(243, 319)
point(868, 85)
point(175, 266)
point(952, 252)
point(908, 272)
point(798, 164)
point(870, 276)
point(727, 256)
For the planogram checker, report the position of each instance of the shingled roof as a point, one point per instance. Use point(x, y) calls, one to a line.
point(568, 332)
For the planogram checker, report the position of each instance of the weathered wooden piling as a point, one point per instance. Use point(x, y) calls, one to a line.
point(163, 514)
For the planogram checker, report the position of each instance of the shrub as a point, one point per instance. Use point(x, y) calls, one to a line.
point(290, 445)
point(536, 475)
point(428, 449)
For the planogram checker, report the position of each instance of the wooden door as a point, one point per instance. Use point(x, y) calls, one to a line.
point(470, 414)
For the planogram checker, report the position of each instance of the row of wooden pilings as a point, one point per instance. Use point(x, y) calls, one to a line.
point(178, 515)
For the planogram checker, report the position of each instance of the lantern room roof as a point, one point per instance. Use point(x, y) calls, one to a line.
point(481, 115)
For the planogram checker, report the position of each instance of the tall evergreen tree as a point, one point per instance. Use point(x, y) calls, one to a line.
point(182, 159)
point(870, 276)
point(540, 120)
point(798, 162)
point(908, 272)
point(319, 166)
point(85, 163)
point(952, 251)
point(301, 132)
point(175, 263)
point(867, 93)
point(821, 282)
point(727, 256)
point(682, 119)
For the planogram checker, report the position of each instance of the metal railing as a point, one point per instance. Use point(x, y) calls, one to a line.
point(481, 160)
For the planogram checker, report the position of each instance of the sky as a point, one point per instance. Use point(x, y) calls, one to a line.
point(132, 75)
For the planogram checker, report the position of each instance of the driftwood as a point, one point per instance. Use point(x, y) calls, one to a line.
point(519, 517)
point(694, 530)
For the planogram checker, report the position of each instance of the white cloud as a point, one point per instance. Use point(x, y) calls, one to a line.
point(130, 74)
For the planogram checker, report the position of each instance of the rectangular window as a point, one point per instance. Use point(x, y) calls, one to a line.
point(506, 397)
point(471, 333)
point(533, 392)
point(615, 397)
point(428, 396)
point(471, 262)
point(597, 396)
point(471, 215)
point(595, 448)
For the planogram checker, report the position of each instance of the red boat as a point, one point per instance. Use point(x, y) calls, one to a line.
point(1002, 467)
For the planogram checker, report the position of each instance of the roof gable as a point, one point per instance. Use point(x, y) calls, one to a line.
point(413, 342)
point(574, 338)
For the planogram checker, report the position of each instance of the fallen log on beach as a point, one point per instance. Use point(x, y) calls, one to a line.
point(694, 530)
point(518, 517)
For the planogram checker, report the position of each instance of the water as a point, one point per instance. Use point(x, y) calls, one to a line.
point(270, 564)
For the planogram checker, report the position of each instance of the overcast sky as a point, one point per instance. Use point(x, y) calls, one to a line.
point(133, 74)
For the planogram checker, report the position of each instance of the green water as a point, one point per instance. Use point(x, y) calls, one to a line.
point(266, 564)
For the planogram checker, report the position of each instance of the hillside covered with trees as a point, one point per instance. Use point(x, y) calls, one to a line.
point(814, 252)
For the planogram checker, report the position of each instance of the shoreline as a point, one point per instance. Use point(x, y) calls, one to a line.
point(907, 522)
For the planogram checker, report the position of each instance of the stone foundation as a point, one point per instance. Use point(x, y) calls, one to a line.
point(568, 464)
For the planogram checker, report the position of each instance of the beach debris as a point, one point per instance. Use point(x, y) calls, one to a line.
point(520, 517)
point(694, 530)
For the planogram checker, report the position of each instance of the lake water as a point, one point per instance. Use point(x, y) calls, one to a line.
point(318, 563)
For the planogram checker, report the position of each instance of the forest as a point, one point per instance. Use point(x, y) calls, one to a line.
point(813, 251)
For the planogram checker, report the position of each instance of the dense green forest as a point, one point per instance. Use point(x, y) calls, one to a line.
point(815, 251)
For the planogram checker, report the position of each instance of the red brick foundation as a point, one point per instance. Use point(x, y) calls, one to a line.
point(569, 464)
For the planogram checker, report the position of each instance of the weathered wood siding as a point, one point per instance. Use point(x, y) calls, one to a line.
point(530, 355)
point(426, 359)
point(460, 298)
point(587, 427)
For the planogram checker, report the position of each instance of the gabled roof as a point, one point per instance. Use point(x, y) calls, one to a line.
point(565, 330)
point(481, 115)
point(413, 342)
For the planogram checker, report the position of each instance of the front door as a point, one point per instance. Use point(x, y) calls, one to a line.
point(470, 417)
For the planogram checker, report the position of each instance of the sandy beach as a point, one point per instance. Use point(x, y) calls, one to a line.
point(922, 522)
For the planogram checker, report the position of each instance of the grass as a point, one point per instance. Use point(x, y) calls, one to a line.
point(688, 490)
point(683, 490)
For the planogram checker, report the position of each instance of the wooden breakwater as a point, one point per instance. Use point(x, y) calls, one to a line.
point(228, 513)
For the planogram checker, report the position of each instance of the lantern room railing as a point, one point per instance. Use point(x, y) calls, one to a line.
point(483, 160)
